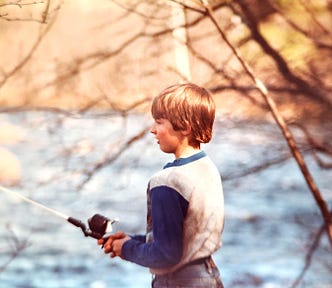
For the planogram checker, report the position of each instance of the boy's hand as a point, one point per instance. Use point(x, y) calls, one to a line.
point(113, 244)
point(117, 246)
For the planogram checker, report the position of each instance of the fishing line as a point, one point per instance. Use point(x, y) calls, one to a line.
point(99, 225)
point(18, 195)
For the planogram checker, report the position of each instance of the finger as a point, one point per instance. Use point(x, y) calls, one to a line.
point(108, 241)
point(119, 235)
point(103, 241)
point(108, 249)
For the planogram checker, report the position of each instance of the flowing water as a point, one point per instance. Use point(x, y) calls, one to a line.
point(271, 217)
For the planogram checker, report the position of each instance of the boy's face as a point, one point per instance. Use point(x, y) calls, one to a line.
point(169, 140)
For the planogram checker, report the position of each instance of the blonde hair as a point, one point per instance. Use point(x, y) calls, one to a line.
point(187, 106)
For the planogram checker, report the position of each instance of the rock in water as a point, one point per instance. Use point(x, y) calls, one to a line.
point(10, 168)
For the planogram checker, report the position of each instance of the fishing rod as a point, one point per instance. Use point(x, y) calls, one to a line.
point(99, 225)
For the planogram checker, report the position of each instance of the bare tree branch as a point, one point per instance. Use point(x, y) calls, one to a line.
point(281, 123)
point(108, 159)
point(17, 246)
point(20, 3)
point(322, 147)
point(44, 30)
point(313, 17)
point(291, 23)
point(308, 258)
point(282, 65)
point(256, 169)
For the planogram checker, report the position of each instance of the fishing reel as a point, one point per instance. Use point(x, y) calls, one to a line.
point(99, 225)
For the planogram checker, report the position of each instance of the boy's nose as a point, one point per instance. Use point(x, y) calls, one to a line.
point(153, 130)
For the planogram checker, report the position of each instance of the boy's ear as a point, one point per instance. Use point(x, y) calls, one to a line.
point(186, 131)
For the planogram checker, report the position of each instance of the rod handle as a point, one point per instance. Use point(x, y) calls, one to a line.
point(76, 222)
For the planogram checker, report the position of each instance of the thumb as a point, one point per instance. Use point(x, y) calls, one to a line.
point(100, 241)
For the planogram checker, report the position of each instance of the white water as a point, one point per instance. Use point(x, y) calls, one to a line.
point(270, 215)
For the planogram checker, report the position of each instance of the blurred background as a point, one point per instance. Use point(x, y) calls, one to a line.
point(76, 82)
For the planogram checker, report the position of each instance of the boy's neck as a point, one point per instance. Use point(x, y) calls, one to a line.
point(187, 152)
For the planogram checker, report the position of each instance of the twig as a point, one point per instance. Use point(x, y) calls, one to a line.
point(309, 256)
point(108, 159)
point(281, 123)
point(18, 246)
point(27, 57)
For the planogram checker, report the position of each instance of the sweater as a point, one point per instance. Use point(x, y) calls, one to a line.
point(185, 216)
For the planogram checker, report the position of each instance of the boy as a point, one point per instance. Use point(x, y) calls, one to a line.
point(185, 199)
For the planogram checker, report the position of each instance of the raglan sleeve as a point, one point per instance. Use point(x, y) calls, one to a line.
point(168, 212)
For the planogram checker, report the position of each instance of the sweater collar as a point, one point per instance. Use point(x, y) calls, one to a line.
point(183, 161)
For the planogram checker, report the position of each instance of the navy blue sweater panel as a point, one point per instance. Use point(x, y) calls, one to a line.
point(169, 209)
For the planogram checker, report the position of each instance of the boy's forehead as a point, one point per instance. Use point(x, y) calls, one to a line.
point(159, 118)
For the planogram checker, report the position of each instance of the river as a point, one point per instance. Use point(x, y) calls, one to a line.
point(271, 216)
